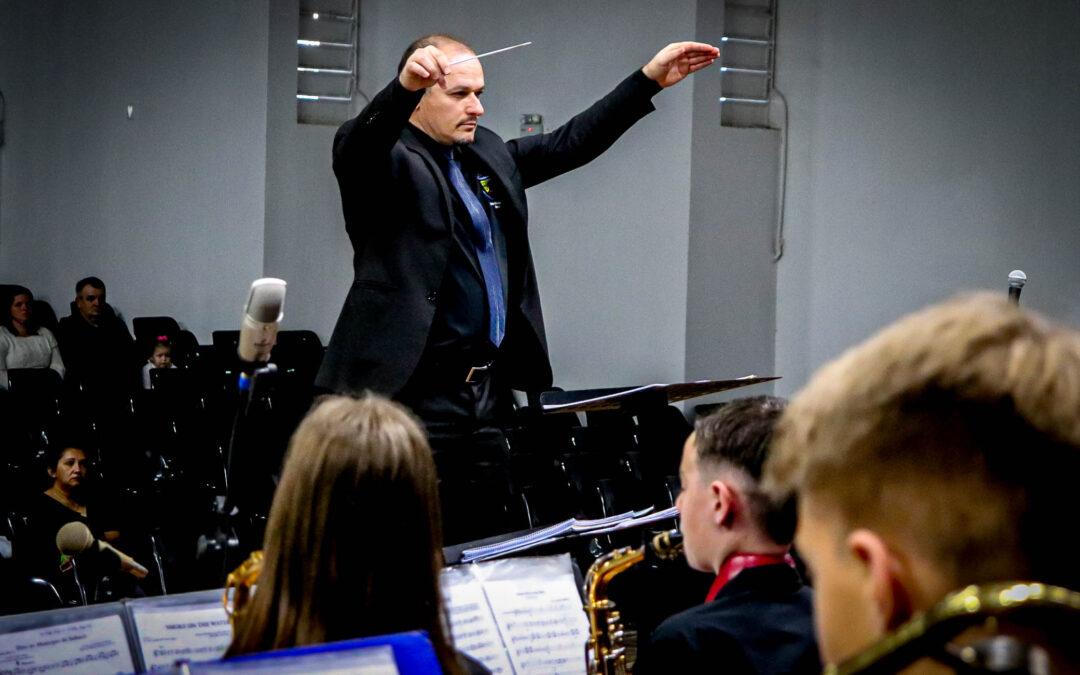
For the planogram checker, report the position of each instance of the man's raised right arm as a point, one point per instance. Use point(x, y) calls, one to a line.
point(371, 134)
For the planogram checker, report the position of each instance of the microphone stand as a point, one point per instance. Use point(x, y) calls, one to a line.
point(78, 581)
point(232, 509)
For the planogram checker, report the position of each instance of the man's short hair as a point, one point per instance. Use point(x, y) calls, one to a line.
point(956, 431)
point(93, 282)
point(433, 39)
point(738, 434)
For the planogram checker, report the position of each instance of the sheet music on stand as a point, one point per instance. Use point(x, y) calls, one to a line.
point(619, 397)
point(520, 616)
point(191, 626)
point(567, 528)
point(94, 639)
point(549, 534)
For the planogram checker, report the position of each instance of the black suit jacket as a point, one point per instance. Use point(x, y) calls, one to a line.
point(760, 622)
point(398, 214)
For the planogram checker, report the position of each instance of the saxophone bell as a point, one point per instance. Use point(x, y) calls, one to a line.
point(605, 651)
point(239, 586)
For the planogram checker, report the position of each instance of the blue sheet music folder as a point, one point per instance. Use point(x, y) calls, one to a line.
point(412, 653)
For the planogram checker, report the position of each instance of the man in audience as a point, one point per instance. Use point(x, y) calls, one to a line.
point(97, 348)
point(941, 452)
point(758, 616)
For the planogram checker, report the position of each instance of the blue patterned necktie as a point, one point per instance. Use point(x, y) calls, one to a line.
point(485, 251)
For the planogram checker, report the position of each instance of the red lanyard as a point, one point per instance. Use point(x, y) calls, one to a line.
point(739, 562)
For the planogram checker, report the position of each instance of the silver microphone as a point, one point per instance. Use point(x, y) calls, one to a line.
point(75, 538)
point(1017, 279)
point(262, 315)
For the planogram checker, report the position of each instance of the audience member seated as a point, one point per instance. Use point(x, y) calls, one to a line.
point(160, 357)
point(758, 616)
point(67, 500)
point(941, 452)
point(97, 347)
point(355, 469)
point(23, 343)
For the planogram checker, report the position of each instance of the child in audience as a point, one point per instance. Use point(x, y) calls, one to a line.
point(160, 357)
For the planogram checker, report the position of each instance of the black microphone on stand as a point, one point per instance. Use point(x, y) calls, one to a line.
point(1017, 279)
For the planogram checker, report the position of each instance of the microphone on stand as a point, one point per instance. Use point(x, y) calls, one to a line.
point(1017, 279)
point(262, 316)
point(75, 538)
point(263, 313)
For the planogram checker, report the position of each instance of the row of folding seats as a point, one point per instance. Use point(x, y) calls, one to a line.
point(551, 468)
point(163, 451)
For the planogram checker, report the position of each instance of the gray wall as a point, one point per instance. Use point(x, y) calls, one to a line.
point(933, 148)
point(166, 207)
point(731, 280)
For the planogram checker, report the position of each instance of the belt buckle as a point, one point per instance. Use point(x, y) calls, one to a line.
point(477, 374)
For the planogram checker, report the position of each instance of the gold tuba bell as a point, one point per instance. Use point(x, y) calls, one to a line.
point(930, 634)
point(605, 653)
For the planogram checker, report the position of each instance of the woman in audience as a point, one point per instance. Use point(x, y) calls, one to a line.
point(353, 545)
point(24, 344)
point(67, 500)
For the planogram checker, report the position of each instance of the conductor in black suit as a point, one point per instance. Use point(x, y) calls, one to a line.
point(444, 312)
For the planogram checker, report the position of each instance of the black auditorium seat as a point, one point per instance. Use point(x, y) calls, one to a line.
point(44, 315)
point(299, 353)
point(35, 394)
point(479, 508)
point(148, 329)
point(185, 348)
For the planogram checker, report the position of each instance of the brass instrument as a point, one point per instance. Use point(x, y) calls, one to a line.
point(240, 581)
point(605, 653)
point(928, 634)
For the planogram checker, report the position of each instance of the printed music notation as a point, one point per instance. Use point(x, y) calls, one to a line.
point(519, 616)
point(92, 646)
point(199, 633)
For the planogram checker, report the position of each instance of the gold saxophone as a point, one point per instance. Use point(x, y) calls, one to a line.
point(240, 581)
point(929, 634)
point(605, 653)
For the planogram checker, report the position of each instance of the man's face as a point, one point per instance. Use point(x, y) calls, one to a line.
point(696, 510)
point(89, 301)
point(843, 600)
point(449, 115)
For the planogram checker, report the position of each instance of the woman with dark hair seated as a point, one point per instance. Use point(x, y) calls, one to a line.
point(67, 500)
point(353, 546)
point(23, 343)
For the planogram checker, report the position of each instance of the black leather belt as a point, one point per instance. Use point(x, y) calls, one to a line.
point(457, 372)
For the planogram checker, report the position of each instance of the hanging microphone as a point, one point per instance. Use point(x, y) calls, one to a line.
point(262, 315)
point(75, 538)
point(1017, 279)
